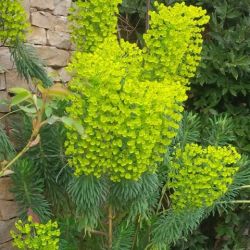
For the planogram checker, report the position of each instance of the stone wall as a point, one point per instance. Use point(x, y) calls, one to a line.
point(8, 213)
point(49, 35)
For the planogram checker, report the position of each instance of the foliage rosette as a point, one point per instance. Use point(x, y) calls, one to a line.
point(13, 22)
point(33, 235)
point(200, 176)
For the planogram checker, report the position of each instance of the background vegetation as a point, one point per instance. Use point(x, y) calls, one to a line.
point(221, 87)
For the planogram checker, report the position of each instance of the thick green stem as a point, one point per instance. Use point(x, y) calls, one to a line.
point(110, 230)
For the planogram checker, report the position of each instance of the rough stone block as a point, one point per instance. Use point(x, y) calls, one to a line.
point(8, 210)
point(14, 80)
point(53, 74)
point(26, 5)
point(7, 246)
point(33, 10)
point(43, 4)
point(61, 7)
point(43, 19)
point(3, 107)
point(5, 185)
point(5, 59)
point(61, 24)
point(64, 75)
point(52, 56)
point(37, 36)
point(5, 227)
point(59, 39)
point(2, 82)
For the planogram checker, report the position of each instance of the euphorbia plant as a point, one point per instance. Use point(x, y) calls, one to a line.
point(126, 179)
point(130, 102)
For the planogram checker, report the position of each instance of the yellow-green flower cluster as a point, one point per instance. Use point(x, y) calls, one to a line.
point(200, 176)
point(128, 123)
point(129, 100)
point(174, 42)
point(92, 21)
point(13, 22)
point(33, 236)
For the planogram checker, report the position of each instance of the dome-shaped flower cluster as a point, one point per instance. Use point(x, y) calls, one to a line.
point(34, 236)
point(200, 176)
point(13, 22)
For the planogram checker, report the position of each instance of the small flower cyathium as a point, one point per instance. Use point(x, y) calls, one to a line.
point(38, 236)
point(200, 176)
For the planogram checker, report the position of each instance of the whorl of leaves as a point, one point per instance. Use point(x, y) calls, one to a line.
point(88, 194)
point(28, 64)
point(175, 225)
point(28, 191)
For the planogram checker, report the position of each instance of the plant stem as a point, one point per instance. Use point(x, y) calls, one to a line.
point(24, 150)
point(147, 14)
point(13, 112)
point(236, 201)
point(242, 187)
point(99, 233)
point(162, 196)
point(136, 232)
point(110, 231)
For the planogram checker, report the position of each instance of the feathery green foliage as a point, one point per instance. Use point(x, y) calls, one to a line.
point(6, 148)
point(28, 64)
point(190, 129)
point(28, 189)
point(218, 130)
point(123, 237)
point(88, 194)
point(136, 197)
point(175, 225)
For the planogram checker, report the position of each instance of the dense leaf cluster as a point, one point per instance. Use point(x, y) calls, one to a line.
point(222, 81)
